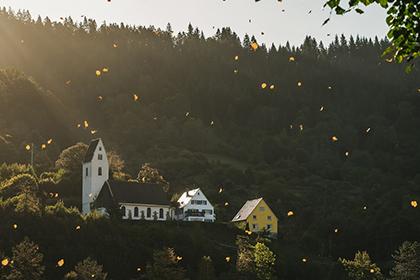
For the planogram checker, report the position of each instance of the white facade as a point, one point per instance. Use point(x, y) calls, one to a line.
point(94, 174)
point(194, 206)
point(132, 211)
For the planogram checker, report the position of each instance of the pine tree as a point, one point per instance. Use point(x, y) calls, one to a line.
point(86, 270)
point(406, 262)
point(361, 268)
point(246, 42)
point(169, 29)
point(27, 262)
point(165, 266)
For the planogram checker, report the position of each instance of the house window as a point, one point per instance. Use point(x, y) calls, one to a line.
point(262, 208)
point(269, 227)
point(269, 218)
point(99, 171)
point(136, 211)
point(87, 172)
point(192, 202)
point(160, 213)
point(149, 213)
point(99, 156)
point(254, 226)
point(123, 211)
point(204, 202)
point(254, 217)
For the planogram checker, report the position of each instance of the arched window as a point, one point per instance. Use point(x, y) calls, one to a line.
point(136, 211)
point(160, 213)
point(100, 171)
point(123, 211)
point(149, 213)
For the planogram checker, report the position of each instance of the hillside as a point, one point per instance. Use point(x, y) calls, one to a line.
point(329, 132)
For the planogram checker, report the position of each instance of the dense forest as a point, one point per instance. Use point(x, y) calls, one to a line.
point(328, 133)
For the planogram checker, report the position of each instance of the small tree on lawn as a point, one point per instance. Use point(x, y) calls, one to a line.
point(362, 268)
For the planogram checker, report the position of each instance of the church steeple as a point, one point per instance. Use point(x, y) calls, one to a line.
point(95, 172)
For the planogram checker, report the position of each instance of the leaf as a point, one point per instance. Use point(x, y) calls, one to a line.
point(325, 21)
point(339, 10)
point(60, 262)
point(254, 46)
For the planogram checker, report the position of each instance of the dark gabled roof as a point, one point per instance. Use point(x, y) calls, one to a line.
point(91, 150)
point(134, 192)
point(246, 210)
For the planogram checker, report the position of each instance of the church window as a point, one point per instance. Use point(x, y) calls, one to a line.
point(99, 171)
point(149, 213)
point(136, 211)
point(87, 171)
point(160, 213)
point(123, 211)
point(99, 156)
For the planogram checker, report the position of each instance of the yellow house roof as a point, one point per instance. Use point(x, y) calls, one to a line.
point(246, 210)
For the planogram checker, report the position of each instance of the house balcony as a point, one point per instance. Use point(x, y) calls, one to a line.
point(196, 217)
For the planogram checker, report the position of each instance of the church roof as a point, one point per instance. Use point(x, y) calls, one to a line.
point(134, 192)
point(246, 210)
point(91, 150)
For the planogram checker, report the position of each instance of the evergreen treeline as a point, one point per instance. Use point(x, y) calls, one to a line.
point(328, 132)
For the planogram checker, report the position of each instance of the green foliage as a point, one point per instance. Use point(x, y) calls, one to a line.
point(27, 262)
point(165, 266)
point(149, 174)
point(116, 166)
point(236, 137)
point(17, 184)
point(71, 159)
point(54, 177)
point(60, 210)
point(245, 262)
point(406, 262)
point(28, 203)
point(7, 171)
point(403, 21)
point(86, 270)
point(361, 268)
point(264, 262)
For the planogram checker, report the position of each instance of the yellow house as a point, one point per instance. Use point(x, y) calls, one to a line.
point(256, 216)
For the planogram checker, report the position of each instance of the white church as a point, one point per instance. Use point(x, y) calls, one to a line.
point(134, 200)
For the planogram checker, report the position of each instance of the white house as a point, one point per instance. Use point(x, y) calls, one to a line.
point(95, 172)
point(134, 200)
point(193, 205)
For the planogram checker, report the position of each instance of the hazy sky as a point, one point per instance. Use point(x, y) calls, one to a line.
point(266, 16)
